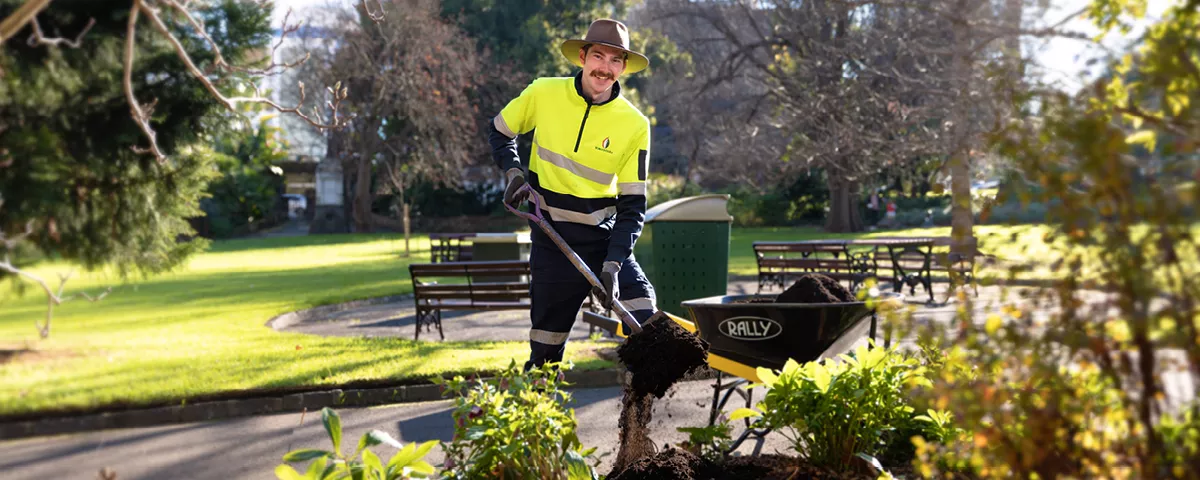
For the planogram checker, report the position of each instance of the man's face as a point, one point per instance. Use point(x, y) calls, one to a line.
point(602, 65)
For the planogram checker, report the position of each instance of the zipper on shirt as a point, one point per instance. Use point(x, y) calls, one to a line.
point(581, 124)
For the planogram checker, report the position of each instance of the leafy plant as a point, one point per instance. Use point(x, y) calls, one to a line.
point(710, 441)
point(515, 426)
point(834, 411)
point(363, 464)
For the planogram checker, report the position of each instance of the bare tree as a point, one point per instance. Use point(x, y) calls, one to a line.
point(809, 85)
point(853, 88)
point(412, 110)
point(163, 16)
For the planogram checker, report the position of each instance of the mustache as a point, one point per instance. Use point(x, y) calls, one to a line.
point(602, 75)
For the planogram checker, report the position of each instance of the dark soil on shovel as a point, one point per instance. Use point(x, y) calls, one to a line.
point(658, 357)
point(816, 288)
point(661, 355)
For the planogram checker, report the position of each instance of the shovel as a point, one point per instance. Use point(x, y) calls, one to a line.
point(658, 358)
point(634, 326)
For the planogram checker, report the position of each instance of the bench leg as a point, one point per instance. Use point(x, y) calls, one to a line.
point(438, 314)
point(420, 315)
point(428, 317)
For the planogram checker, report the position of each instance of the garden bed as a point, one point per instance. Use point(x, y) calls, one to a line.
point(677, 464)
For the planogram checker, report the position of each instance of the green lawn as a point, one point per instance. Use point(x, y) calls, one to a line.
point(201, 331)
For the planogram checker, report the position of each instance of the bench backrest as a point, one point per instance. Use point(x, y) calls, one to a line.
point(801, 257)
point(483, 281)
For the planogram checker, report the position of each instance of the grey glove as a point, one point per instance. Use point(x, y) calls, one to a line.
point(608, 278)
point(516, 180)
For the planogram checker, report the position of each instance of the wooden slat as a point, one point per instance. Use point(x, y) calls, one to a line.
point(476, 297)
point(805, 263)
point(441, 288)
point(498, 272)
point(489, 306)
point(501, 305)
point(484, 287)
point(800, 249)
point(469, 268)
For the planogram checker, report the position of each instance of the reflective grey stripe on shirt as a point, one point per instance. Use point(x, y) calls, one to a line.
point(578, 169)
point(632, 188)
point(503, 127)
point(563, 215)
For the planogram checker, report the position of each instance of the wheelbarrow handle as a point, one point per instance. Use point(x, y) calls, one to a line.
point(536, 217)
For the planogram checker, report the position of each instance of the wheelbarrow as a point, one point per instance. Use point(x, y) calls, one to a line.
point(746, 332)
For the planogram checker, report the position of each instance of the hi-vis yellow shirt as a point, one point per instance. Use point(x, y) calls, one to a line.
point(588, 162)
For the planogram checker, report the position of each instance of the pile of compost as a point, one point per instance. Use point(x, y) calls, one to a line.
point(816, 288)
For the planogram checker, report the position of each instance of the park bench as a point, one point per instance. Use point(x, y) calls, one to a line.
point(902, 261)
point(493, 285)
point(778, 262)
point(450, 247)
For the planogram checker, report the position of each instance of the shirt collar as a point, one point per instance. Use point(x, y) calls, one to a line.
point(616, 90)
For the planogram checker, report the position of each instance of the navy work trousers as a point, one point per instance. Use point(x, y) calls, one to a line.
point(558, 291)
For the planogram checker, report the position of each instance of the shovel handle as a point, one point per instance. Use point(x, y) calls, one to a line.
point(536, 217)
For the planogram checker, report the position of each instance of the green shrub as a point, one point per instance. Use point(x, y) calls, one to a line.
point(249, 187)
point(835, 411)
point(515, 426)
point(363, 463)
point(709, 441)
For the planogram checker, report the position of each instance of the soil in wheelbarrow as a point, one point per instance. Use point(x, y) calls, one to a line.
point(676, 464)
point(815, 288)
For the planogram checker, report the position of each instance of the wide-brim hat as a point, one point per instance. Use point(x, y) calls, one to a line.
point(610, 33)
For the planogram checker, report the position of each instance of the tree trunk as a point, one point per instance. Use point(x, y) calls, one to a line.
point(404, 217)
point(843, 214)
point(961, 218)
point(362, 195)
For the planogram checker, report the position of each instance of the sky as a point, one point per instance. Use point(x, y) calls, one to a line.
point(1064, 59)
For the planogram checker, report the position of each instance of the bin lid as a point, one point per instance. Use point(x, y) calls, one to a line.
point(700, 208)
point(519, 237)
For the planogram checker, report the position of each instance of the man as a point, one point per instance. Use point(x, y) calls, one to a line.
point(588, 168)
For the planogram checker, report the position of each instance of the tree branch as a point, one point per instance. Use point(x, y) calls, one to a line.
point(142, 116)
point(52, 298)
point(375, 17)
point(37, 38)
point(17, 20)
point(219, 60)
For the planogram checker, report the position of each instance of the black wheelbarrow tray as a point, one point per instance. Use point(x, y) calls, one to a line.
point(746, 332)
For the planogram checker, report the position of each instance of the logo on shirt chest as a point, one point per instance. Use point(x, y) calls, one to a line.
point(604, 146)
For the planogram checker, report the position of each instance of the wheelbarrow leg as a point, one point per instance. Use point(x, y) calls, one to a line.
point(712, 413)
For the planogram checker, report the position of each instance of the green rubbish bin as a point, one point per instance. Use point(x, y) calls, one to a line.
point(684, 249)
